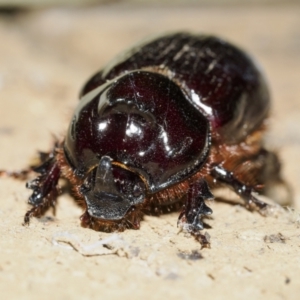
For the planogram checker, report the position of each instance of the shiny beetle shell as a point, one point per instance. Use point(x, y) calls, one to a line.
point(161, 125)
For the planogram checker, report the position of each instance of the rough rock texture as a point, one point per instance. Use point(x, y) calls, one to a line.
point(45, 57)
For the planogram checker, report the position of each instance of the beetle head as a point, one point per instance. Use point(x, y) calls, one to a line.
point(110, 191)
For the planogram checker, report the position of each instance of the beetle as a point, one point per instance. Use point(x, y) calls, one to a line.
point(159, 127)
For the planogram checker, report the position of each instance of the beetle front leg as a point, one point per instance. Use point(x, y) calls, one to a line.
point(45, 189)
point(245, 191)
point(194, 209)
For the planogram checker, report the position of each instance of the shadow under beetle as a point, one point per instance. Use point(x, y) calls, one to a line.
point(157, 128)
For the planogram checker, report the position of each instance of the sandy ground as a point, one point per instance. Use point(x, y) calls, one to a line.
point(45, 57)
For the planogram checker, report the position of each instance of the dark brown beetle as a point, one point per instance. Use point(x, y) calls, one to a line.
point(160, 125)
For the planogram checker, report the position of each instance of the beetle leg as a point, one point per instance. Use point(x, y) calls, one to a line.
point(45, 189)
point(195, 208)
point(245, 191)
point(25, 173)
point(22, 174)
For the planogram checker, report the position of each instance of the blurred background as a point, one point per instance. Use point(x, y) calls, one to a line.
point(40, 3)
point(48, 50)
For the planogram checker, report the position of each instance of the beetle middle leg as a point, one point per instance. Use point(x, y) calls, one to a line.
point(246, 192)
point(195, 209)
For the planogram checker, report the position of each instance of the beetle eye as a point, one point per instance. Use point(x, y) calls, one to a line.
point(137, 190)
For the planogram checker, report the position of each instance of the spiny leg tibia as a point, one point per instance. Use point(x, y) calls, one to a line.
point(190, 218)
point(45, 188)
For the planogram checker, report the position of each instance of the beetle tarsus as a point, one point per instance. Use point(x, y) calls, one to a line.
point(39, 209)
point(22, 174)
point(245, 191)
point(203, 239)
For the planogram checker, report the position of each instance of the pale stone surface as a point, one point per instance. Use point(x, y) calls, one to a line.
point(44, 59)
